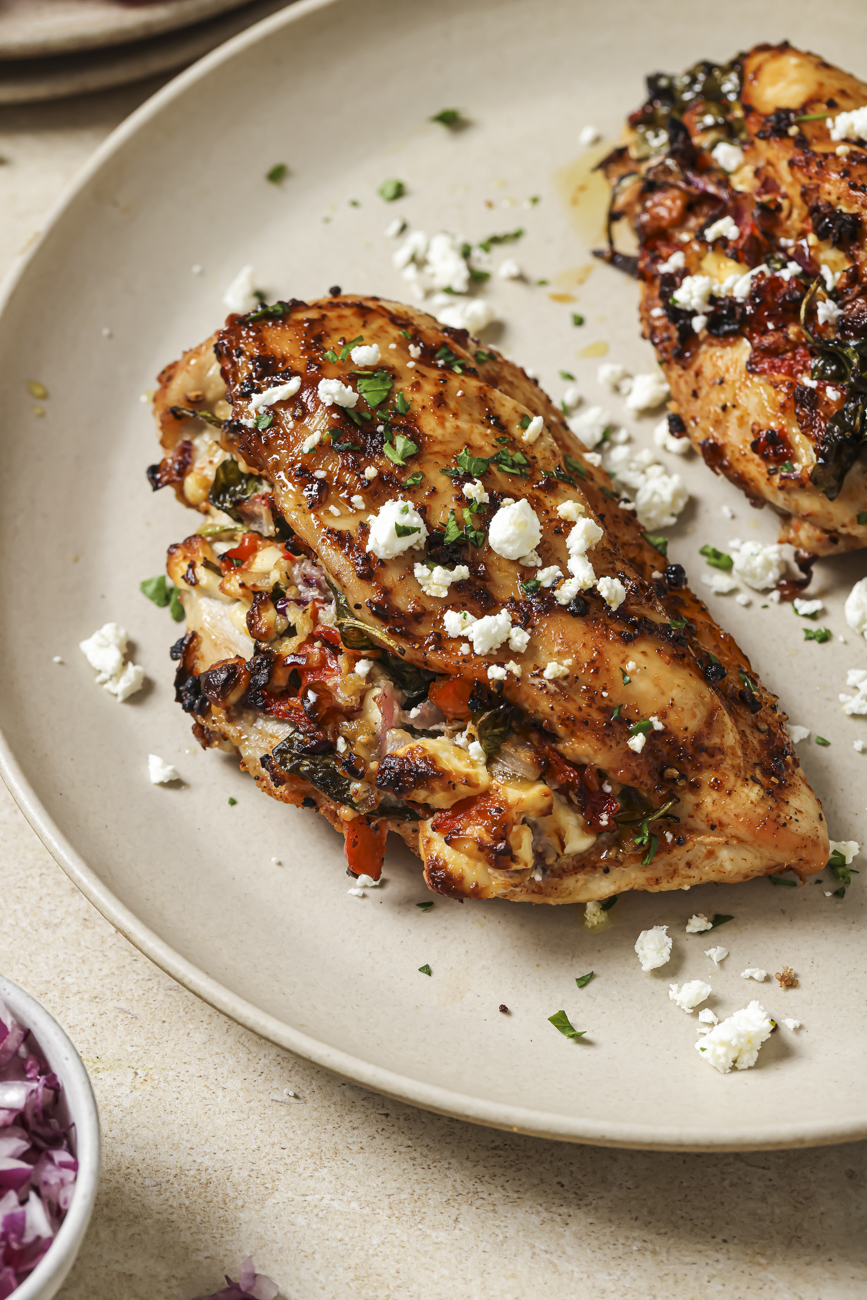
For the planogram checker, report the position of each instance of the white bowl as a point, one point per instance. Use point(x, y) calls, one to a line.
point(51, 1271)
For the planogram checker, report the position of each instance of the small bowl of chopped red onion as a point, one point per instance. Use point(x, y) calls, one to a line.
point(49, 1149)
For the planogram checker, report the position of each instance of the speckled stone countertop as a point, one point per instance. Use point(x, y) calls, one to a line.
point(337, 1192)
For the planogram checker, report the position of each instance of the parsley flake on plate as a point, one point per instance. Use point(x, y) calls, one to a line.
point(400, 449)
point(562, 1022)
point(447, 117)
point(374, 386)
point(717, 559)
point(720, 919)
point(425, 907)
point(425, 969)
point(583, 980)
point(508, 238)
point(391, 190)
point(277, 173)
point(577, 318)
point(820, 634)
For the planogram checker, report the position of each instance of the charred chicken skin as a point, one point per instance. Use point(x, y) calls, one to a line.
point(749, 207)
point(414, 605)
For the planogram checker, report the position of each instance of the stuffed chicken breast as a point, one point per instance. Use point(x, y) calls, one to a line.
point(414, 605)
point(746, 186)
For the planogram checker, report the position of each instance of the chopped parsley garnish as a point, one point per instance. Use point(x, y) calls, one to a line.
point(841, 870)
point(414, 479)
point(543, 281)
point(778, 880)
point(615, 717)
point(231, 801)
point(477, 275)
point(266, 312)
point(651, 852)
point(526, 421)
point(577, 318)
point(575, 466)
point(861, 517)
point(720, 919)
point(401, 449)
point(658, 541)
point(406, 530)
point(391, 190)
point(425, 969)
point(583, 980)
point(562, 1022)
point(451, 359)
point(358, 417)
point(512, 462)
point(746, 681)
point(820, 740)
point(641, 728)
point(820, 634)
point(406, 334)
point(425, 907)
point(841, 892)
point(508, 238)
point(264, 419)
point(482, 356)
point(447, 116)
point(343, 354)
point(717, 559)
point(374, 386)
point(163, 593)
point(625, 675)
point(473, 465)
point(787, 467)
point(566, 374)
point(535, 198)
point(530, 587)
point(560, 473)
point(277, 173)
point(468, 534)
point(402, 403)
point(677, 623)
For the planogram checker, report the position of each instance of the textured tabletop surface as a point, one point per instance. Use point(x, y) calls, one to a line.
point(337, 1192)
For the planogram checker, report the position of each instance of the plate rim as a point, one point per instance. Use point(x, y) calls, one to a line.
point(378, 1079)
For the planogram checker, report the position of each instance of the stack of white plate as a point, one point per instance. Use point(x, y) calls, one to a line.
point(50, 48)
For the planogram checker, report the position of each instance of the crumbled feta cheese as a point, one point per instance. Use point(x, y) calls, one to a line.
point(395, 228)
point(849, 849)
point(496, 673)
point(472, 314)
point(797, 733)
point(240, 297)
point(357, 501)
point(742, 598)
point(571, 510)
point(664, 438)
point(56, 659)
point(456, 621)
point(332, 392)
point(827, 313)
point(791, 1024)
point(637, 743)
point(728, 156)
point(414, 351)
point(363, 667)
point(159, 772)
point(475, 491)
point(590, 425)
point(699, 322)
point(707, 1018)
point(848, 126)
point(760, 565)
point(691, 995)
point(833, 394)
point(476, 753)
point(311, 441)
point(588, 135)
point(855, 608)
point(693, 294)
point(572, 398)
point(566, 592)
point(436, 581)
point(334, 510)
point(658, 497)
point(279, 393)
point(716, 954)
point(831, 278)
point(807, 607)
point(611, 375)
point(341, 745)
point(697, 923)
point(514, 530)
point(736, 1041)
point(489, 633)
point(612, 591)
point(754, 973)
point(547, 577)
point(676, 262)
point(361, 883)
point(370, 473)
point(106, 652)
point(724, 228)
point(554, 670)
point(366, 354)
point(653, 947)
point(519, 639)
point(532, 431)
point(509, 269)
point(647, 392)
point(719, 582)
point(595, 916)
point(384, 539)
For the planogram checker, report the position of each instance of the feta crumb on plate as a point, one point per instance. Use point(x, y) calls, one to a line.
point(653, 947)
point(159, 772)
point(664, 438)
point(509, 269)
point(363, 882)
point(855, 705)
point(590, 425)
point(647, 392)
point(728, 156)
point(807, 607)
point(716, 954)
point(855, 608)
point(240, 297)
point(697, 923)
point(791, 1024)
point(848, 848)
point(736, 1041)
point(754, 973)
point(106, 652)
point(590, 135)
point(797, 734)
point(691, 995)
point(720, 583)
point(595, 915)
point(760, 565)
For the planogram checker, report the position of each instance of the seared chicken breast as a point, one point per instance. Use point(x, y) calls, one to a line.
point(748, 199)
point(414, 605)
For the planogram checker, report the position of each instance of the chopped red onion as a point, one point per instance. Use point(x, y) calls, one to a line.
point(250, 1286)
point(37, 1167)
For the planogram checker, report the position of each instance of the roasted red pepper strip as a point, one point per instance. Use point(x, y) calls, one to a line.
point(364, 846)
point(248, 545)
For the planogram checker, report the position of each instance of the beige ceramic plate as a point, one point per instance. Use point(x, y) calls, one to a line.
point(33, 28)
point(341, 92)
